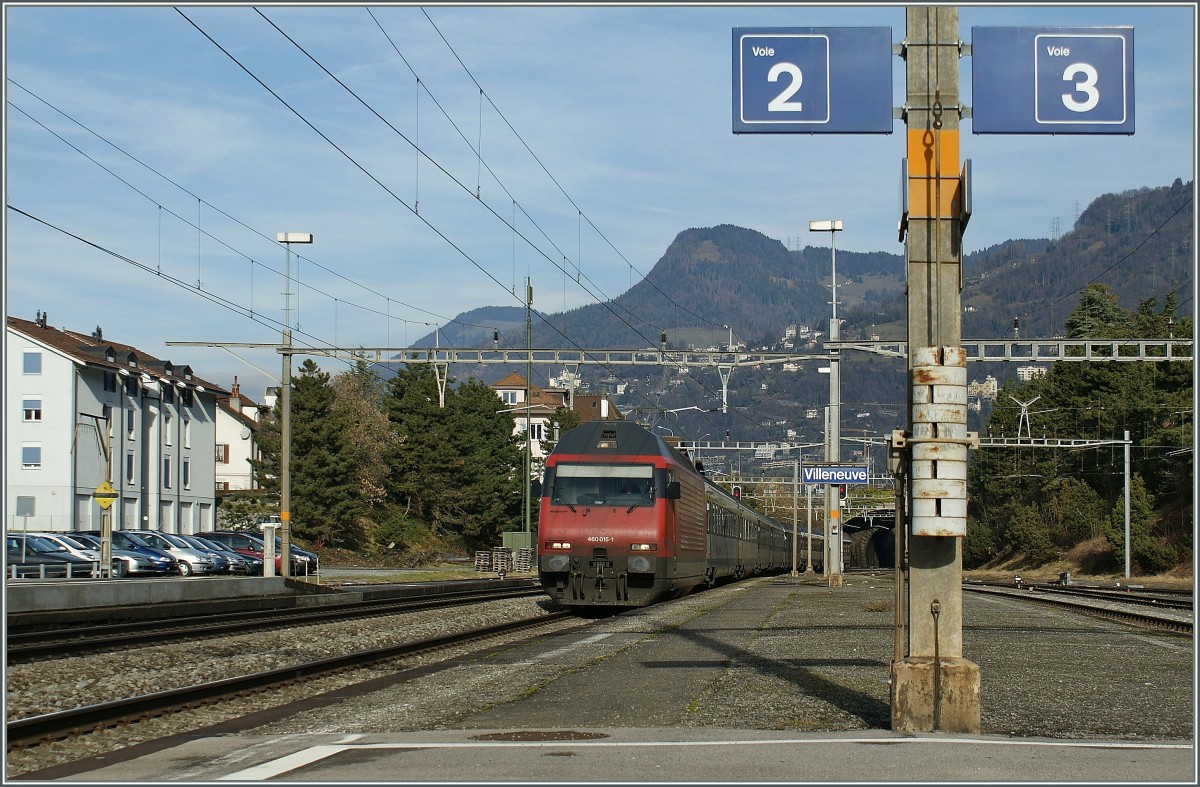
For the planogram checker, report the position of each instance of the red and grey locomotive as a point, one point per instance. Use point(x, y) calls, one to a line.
point(626, 520)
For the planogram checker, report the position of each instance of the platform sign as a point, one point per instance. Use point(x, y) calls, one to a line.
point(812, 80)
point(835, 474)
point(1057, 80)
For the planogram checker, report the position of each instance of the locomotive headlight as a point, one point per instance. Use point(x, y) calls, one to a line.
point(644, 547)
point(640, 564)
point(559, 544)
point(557, 562)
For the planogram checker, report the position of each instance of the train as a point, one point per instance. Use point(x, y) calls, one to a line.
point(625, 519)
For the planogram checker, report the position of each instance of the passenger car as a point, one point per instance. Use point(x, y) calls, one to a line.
point(71, 545)
point(303, 562)
point(191, 560)
point(164, 562)
point(126, 563)
point(28, 555)
point(228, 561)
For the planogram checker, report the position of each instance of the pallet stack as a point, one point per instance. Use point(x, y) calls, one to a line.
point(523, 561)
point(483, 561)
point(502, 559)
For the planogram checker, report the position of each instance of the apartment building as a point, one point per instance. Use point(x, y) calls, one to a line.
point(83, 410)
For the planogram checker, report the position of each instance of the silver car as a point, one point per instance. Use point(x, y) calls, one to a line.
point(191, 560)
point(77, 548)
point(124, 562)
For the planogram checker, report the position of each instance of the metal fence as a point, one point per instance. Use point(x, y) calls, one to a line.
point(52, 570)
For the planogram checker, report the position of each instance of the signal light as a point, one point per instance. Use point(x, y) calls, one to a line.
point(841, 491)
point(737, 492)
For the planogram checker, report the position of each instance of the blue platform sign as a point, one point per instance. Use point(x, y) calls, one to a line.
point(812, 80)
point(835, 474)
point(1056, 80)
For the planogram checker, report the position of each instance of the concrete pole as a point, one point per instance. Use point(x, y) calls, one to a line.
point(934, 687)
point(285, 460)
point(1127, 504)
point(808, 567)
point(795, 514)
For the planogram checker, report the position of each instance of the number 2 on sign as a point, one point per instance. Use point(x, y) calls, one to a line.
point(783, 102)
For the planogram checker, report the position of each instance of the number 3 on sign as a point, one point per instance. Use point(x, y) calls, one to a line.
point(783, 102)
point(1087, 86)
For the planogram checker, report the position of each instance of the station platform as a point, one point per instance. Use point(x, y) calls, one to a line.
point(63, 601)
point(778, 680)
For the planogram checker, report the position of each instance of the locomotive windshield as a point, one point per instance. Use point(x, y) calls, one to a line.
point(602, 484)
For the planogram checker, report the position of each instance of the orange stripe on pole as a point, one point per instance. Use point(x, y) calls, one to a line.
point(932, 155)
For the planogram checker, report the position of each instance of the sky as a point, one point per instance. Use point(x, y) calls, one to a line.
point(443, 155)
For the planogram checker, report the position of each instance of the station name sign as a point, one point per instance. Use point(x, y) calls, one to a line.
point(835, 474)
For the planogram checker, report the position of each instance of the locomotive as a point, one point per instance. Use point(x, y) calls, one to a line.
point(625, 520)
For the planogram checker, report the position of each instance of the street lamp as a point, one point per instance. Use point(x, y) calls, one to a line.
point(833, 564)
point(285, 409)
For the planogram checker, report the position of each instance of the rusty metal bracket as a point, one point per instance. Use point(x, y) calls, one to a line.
point(905, 441)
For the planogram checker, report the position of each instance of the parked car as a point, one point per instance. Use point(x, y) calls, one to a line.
point(34, 553)
point(254, 563)
point(191, 561)
point(126, 563)
point(71, 545)
point(227, 562)
point(164, 562)
point(252, 544)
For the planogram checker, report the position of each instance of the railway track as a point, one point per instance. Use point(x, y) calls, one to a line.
point(40, 729)
point(74, 640)
point(1113, 610)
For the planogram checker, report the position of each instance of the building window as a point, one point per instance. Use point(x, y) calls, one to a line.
point(130, 423)
point(110, 380)
point(223, 453)
point(166, 472)
point(32, 409)
point(187, 473)
point(185, 397)
point(130, 464)
point(168, 393)
point(167, 429)
point(31, 456)
point(187, 432)
point(511, 397)
point(131, 386)
point(536, 431)
point(32, 362)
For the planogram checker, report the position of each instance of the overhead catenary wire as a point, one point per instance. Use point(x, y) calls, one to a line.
point(604, 303)
point(254, 262)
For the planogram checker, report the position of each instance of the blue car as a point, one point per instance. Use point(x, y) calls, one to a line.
point(164, 562)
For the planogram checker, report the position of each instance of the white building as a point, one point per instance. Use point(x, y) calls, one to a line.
point(1027, 373)
point(82, 410)
point(537, 417)
point(984, 390)
point(238, 418)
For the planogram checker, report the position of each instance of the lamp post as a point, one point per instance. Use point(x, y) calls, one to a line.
point(285, 408)
point(833, 539)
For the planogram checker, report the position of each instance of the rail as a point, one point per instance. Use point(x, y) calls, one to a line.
point(55, 726)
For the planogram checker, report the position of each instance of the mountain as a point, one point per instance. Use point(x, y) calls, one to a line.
point(707, 279)
point(1138, 242)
